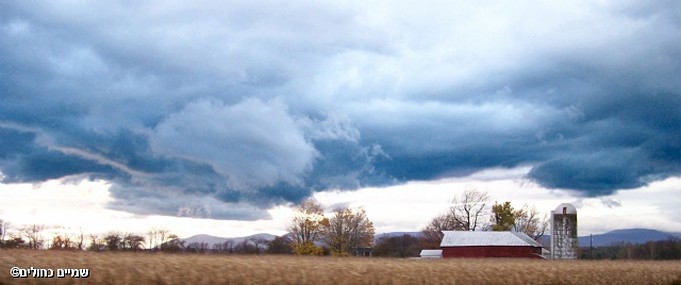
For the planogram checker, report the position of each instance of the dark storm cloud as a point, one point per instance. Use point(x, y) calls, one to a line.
point(224, 110)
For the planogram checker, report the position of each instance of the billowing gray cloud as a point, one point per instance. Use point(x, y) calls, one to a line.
point(252, 143)
point(224, 110)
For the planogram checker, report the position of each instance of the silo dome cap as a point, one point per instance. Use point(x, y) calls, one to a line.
point(569, 209)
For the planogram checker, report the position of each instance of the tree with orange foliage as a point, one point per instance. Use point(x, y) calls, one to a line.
point(308, 227)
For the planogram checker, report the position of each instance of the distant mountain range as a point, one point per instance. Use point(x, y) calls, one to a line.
point(211, 240)
point(396, 234)
point(613, 237)
point(629, 235)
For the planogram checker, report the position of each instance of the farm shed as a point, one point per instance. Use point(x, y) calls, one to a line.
point(431, 253)
point(489, 244)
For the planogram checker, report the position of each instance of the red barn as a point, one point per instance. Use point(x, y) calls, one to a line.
point(489, 244)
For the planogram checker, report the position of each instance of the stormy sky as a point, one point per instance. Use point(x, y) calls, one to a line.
point(225, 109)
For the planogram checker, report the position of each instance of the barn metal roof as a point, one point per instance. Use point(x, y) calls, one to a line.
point(462, 238)
point(431, 252)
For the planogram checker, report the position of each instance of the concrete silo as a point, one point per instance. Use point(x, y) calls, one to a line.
point(564, 232)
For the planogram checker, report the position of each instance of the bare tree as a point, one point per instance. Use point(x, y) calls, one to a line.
point(464, 214)
point(307, 227)
point(80, 240)
point(4, 226)
point(114, 241)
point(158, 237)
point(348, 231)
point(218, 247)
point(260, 244)
point(228, 246)
point(245, 247)
point(199, 247)
point(61, 238)
point(57, 242)
point(173, 243)
point(61, 241)
point(163, 235)
point(467, 210)
point(33, 233)
point(431, 235)
point(93, 242)
point(529, 221)
point(96, 244)
point(133, 241)
point(2, 233)
point(152, 238)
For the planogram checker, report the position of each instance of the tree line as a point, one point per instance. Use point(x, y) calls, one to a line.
point(154, 240)
point(32, 237)
point(668, 249)
point(344, 232)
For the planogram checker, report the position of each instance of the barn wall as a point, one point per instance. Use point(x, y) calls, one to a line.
point(492, 251)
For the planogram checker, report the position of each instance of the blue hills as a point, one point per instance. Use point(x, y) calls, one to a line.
point(634, 236)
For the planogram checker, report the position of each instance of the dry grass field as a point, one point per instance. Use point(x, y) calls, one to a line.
point(148, 268)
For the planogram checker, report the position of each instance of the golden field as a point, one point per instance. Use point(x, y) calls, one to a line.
point(159, 268)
